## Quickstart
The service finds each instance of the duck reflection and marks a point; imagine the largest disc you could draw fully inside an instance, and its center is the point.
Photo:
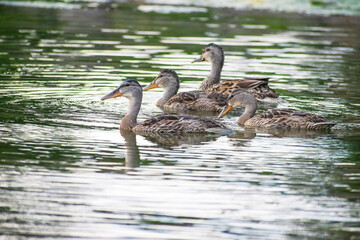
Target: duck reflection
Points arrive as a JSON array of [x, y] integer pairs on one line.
[[167, 141], [173, 140], [295, 133], [132, 159], [249, 133]]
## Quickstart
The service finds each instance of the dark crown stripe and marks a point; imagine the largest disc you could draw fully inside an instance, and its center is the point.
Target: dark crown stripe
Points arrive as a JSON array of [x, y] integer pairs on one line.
[[129, 82], [214, 45]]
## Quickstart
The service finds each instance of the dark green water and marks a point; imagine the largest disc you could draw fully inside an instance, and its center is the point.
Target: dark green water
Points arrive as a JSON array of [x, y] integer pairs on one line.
[[66, 171]]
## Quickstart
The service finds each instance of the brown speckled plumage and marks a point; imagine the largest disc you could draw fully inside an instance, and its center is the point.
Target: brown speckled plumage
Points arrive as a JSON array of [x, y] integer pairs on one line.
[[257, 86], [288, 118], [214, 54], [185, 101], [176, 123], [196, 101], [275, 118], [161, 123]]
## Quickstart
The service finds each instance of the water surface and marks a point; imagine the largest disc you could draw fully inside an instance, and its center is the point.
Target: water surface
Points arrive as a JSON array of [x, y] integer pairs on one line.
[[66, 171]]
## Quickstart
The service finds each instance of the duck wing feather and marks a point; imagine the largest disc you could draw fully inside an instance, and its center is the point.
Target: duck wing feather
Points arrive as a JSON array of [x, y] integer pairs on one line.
[[258, 86], [196, 100], [176, 123], [289, 118]]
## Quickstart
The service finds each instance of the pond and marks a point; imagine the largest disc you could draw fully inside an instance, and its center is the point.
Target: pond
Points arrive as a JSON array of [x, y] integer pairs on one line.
[[66, 171]]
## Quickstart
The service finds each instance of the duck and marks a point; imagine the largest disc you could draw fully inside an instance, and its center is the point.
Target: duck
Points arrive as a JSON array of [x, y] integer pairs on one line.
[[287, 118], [214, 54], [184, 101], [161, 123]]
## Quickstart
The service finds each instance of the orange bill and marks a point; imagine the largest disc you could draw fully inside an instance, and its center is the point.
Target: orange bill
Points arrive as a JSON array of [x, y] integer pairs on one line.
[[114, 94], [150, 86], [226, 109]]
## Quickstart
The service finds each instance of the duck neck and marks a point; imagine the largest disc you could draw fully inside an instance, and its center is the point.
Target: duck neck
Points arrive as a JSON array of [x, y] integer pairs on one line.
[[168, 93], [248, 113], [215, 74], [130, 119]]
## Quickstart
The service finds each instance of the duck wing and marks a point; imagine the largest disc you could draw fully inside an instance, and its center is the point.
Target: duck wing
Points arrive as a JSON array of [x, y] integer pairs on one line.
[[176, 123], [258, 86], [196, 101], [289, 118]]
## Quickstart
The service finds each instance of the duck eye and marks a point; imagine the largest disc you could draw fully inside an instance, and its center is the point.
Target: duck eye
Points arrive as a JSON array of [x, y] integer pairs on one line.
[[208, 49]]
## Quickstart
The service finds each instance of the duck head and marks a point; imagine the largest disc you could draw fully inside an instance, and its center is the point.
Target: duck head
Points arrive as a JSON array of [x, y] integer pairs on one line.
[[211, 53], [128, 89], [239, 98], [167, 79]]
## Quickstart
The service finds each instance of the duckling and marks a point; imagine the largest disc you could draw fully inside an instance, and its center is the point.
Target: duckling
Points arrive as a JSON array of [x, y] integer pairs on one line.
[[161, 123], [214, 54], [184, 101], [275, 118]]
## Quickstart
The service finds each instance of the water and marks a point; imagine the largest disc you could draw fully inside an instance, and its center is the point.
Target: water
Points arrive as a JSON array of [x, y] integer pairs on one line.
[[66, 171]]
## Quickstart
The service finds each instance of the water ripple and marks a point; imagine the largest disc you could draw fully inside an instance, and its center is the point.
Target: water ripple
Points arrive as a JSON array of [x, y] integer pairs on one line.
[[67, 171]]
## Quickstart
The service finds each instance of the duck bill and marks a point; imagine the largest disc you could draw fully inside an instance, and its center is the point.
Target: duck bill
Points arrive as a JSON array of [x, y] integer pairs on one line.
[[200, 59], [150, 86], [114, 94], [226, 109]]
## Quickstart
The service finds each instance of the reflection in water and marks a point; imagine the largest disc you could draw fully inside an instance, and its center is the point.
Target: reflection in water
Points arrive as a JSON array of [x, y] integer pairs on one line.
[[249, 133], [171, 140], [299, 133], [132, 159]]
